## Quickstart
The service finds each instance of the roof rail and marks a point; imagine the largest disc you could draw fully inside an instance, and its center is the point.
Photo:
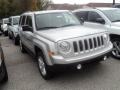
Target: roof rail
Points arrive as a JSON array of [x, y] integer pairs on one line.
[[89, 7]]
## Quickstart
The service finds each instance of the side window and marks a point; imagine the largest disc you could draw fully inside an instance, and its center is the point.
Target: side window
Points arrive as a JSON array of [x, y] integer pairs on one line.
[[23, 20], [10, 21], [29, 21], [117, 6], [82, 14], [92, 16], [20, 20]]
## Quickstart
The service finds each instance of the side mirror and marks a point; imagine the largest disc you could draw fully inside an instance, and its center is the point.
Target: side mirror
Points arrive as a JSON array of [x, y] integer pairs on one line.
[[82, 20], [27, 28], [8, 23], [100, 20]]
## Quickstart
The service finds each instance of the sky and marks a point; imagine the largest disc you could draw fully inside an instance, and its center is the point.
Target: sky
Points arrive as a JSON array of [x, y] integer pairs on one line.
[[83, 1]]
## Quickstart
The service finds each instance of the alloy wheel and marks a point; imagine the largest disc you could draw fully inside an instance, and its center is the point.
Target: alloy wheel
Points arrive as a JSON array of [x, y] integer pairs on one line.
[[42, 66], [116, 49]]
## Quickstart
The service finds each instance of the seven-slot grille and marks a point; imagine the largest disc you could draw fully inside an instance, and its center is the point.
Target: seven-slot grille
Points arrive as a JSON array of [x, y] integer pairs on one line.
[[88, 44]]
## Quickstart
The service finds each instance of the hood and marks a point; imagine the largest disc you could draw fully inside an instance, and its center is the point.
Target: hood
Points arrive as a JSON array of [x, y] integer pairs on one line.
[[117, 24], [68, 32], [16, 28]]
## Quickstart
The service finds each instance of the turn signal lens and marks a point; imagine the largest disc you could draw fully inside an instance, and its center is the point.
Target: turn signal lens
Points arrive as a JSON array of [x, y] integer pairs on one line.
[[51, 53]]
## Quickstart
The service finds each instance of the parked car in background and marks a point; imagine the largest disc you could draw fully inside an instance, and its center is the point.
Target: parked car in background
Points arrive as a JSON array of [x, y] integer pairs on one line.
[[0, 27], [57, 38], [4, 26], [116, 6], [3, 70], [107, 18], [13, 29]]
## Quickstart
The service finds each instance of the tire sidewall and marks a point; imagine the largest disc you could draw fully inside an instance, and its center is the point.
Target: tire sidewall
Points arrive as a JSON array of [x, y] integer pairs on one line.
[[48, 73], [21, 47], [113, 40]]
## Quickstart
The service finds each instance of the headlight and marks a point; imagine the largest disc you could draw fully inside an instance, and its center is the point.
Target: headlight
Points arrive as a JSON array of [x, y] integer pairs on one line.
[[106, 37], [64, 46]]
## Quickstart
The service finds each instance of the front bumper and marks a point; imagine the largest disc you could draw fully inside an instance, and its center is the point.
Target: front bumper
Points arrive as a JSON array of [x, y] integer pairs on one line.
[[5, 29], [61, 60], [16, 34]]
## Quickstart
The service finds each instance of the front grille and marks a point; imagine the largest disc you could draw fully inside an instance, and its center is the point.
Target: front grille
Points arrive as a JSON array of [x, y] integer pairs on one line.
[[88, 44]]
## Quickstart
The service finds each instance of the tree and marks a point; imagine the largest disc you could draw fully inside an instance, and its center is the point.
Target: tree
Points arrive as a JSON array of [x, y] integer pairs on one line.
[[40, 4], [17, 7], [4, 8]]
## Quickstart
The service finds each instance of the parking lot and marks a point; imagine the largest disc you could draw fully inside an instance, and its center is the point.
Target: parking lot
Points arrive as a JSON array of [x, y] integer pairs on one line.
[[24, 75]]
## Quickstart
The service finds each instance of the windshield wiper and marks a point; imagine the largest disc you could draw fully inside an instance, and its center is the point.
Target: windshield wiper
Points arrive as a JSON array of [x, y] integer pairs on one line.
[[69, 25], [116, 21], [47, 28]]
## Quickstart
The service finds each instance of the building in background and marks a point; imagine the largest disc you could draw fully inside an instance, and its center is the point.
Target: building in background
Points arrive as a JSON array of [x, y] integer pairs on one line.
[[99, 4], [64, 6], [77, 6]]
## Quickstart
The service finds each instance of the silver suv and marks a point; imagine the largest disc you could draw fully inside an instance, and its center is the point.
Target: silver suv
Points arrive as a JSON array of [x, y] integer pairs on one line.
[[13, 29], [106, 18], [4, 26], [57, 38]]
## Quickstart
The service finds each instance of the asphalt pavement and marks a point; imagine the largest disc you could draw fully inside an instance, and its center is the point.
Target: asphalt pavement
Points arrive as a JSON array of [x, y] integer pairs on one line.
[[24, 74]]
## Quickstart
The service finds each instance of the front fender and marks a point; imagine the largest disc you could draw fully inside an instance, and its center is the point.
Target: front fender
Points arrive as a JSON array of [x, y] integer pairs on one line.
[[44, 47]]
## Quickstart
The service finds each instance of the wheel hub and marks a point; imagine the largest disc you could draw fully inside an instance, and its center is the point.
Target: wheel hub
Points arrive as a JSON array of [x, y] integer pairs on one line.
[[116, 48], [42, 66]]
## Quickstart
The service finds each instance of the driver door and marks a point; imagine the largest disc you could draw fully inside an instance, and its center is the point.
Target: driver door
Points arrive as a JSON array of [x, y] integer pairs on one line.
[[28, 34]]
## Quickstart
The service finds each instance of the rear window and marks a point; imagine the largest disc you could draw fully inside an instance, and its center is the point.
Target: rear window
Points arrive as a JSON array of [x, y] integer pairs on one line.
[[5, 21], [82, 14], [16, 21]]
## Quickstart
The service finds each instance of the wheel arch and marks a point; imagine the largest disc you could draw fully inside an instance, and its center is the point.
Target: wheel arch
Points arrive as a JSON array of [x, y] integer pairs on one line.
[[112, 36], [42, 50]]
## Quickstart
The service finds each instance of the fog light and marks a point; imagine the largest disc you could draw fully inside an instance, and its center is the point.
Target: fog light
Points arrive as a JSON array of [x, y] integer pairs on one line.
[[79, 66], [105, 58]]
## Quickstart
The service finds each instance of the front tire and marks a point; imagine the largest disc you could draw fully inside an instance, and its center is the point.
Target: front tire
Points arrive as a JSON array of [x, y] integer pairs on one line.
[[9, 36], [16, 41], [44, 69], [116, 48], [6, 33]]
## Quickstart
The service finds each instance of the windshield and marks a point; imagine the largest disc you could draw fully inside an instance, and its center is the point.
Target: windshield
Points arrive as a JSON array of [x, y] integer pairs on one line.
[[5, 21], [55, 20], [16, 20], [113, 14]]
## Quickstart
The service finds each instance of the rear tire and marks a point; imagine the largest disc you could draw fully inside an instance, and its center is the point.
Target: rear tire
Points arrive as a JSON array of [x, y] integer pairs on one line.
[[44, 69], [22, 48], [16, 41], [9, 36]]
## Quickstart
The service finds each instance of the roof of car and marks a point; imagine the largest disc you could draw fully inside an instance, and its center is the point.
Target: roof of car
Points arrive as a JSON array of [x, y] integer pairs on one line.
[[98, 8], [15, 16], [106, 8], [46, 11], [5, 19]]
